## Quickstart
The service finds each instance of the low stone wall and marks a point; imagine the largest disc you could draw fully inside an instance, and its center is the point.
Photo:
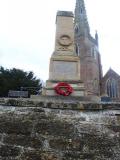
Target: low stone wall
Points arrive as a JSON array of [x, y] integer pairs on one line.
[[62, 130], [59, 103], [36, 133]]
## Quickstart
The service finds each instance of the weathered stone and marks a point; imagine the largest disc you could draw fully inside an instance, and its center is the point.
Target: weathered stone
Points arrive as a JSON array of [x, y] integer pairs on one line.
[[55, 127], [15, 127], [49, 156], [9, 150], [29, 133], [78, 156], [115, 128], [67, 144], [38, 155], [24, 141], [31, 155]]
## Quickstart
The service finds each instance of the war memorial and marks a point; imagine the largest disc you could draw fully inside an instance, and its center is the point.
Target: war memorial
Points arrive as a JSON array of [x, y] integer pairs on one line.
[[68, 121]]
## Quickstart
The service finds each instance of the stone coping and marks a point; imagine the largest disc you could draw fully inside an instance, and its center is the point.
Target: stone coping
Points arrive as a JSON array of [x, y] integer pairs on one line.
[[65, 13], [59, 104], [67, 81]]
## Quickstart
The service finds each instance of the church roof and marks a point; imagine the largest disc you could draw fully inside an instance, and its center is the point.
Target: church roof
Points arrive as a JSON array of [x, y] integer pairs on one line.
[[111, 73]]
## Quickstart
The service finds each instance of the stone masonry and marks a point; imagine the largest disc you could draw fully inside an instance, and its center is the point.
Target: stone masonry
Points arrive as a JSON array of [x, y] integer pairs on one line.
[[38, 133], [64, 62], [88, 50]]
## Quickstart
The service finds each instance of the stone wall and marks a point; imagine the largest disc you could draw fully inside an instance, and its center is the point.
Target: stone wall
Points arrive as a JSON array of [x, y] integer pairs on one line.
[[37, 133], [89, 63]]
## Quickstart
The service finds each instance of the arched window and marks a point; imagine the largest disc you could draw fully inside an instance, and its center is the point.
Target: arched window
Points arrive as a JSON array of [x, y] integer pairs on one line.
[[112, 88], [77, 49], [95, 83], [76, 28], [94, 52], [81, 10]]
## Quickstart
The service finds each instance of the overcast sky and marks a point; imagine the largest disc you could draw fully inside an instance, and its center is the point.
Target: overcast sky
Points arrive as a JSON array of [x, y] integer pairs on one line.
[[27, 32]]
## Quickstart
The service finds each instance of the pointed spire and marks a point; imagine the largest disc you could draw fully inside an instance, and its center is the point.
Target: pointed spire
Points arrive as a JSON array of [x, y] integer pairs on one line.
[[81, 22], [96, 38]]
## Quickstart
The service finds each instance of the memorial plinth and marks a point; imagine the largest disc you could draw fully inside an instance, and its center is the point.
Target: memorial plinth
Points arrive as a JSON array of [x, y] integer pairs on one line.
[[64, 62]]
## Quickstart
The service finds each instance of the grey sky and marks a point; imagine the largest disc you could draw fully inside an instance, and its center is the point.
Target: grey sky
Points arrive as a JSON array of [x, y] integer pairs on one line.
[[27, 31]]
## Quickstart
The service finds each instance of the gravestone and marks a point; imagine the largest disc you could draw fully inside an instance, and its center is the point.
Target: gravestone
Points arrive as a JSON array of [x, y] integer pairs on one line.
[[64, 62]]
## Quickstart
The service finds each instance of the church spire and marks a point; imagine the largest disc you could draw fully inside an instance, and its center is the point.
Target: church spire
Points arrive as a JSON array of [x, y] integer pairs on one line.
[[81, 22], [96, 38]]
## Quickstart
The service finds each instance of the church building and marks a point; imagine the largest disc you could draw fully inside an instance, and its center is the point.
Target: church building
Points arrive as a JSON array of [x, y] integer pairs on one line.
[[75, 65], [87, 48]]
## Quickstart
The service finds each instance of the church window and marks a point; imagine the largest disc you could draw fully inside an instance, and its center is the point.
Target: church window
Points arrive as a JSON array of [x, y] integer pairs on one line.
[[93, 53], [95, 85], [112, 88], [76, 29], [95, 82], [81, 10], [77, 49]]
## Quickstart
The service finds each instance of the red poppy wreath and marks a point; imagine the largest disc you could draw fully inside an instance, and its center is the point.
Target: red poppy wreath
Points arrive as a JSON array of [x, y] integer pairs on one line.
[[63, 88]]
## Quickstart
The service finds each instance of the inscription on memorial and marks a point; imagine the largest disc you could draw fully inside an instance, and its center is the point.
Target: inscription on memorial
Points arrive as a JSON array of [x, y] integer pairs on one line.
[[65, 69]]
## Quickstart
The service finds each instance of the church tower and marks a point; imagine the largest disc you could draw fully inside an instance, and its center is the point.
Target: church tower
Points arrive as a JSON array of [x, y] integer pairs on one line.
[[87, 49]]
